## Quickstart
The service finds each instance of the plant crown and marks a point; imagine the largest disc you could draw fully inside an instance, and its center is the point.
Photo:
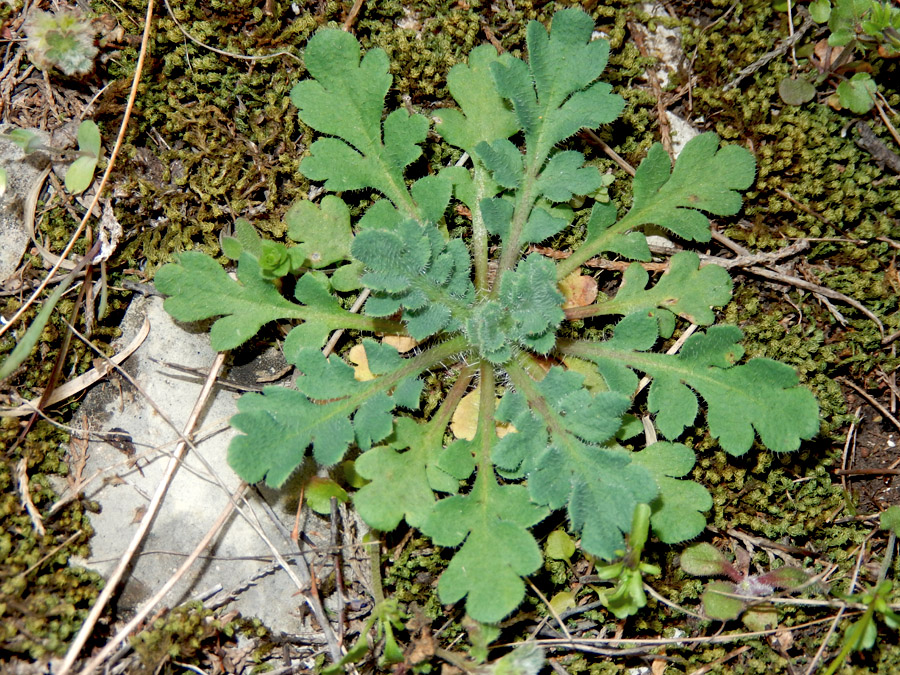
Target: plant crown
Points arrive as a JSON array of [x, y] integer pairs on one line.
[[492, 318]]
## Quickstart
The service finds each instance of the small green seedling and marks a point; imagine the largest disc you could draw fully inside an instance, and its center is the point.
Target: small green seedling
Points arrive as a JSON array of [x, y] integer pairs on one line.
[[629, 597], [485, 310], [861, 634], [80, 173], [705, 560], [859, 28], [386, 617], [78, 178]]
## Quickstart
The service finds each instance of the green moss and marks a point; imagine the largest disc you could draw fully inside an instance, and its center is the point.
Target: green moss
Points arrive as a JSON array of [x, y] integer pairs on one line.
[[187, 633], [43, 599]]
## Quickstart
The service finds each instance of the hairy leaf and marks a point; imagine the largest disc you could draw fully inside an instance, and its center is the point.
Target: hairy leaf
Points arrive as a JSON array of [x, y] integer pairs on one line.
[[705, 178], [324, 231], [677, 512], [497, 550], [198, 288], [761, 396]]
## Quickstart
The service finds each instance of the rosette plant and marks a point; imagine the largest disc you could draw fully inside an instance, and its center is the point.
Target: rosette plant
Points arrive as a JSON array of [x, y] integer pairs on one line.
[[553, 414]]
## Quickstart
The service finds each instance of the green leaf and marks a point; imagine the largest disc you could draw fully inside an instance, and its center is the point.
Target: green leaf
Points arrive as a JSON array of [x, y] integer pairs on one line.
[[761, 395], [497, 549], [890, 519], [400, 487], [324, 231], [345, 100], [858, 93], [705, 178], [565, 176], [80, 174], [278, 426], [198, 288], [555, 95], [245, 238], [319, 491], [564, 461], [796, 91], [503, 160], [559, 546], [685, 289], [26, 139], [704, 560], [677, 512], [484, 116], [820, 10], [632, 245], [719, 606]]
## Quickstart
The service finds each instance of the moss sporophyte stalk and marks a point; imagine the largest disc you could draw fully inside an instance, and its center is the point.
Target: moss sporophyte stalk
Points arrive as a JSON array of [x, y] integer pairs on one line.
[[483, 310]]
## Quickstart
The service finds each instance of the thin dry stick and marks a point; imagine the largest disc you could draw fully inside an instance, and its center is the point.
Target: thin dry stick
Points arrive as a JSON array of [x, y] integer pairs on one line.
[[148, 606], [816, 288], [887, 413], [132, 96], [152, 509], [33, 513], [818, 657], [845, 455], [351, 17], [551, 608]]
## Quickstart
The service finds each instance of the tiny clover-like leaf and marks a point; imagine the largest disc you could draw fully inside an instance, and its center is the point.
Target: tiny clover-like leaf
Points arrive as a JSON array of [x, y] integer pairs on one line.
[[497, 550], [324, 231], [198, 288], [705, 178], [677, 512]]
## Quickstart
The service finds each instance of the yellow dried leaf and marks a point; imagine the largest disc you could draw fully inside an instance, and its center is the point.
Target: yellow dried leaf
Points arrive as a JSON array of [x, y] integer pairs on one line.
[[464, 422], [401, 343], [357, 356], [578, 290]]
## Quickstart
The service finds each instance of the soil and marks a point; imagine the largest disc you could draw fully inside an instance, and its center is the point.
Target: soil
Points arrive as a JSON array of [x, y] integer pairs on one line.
[[214, 137]]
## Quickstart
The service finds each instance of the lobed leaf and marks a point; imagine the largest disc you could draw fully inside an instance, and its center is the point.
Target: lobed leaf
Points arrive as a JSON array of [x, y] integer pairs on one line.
[[677, 512], [705, 178], [497, 549], [403, 477], [760, 397], [199, 288], [685, 289], [560, 428], [323, 231]]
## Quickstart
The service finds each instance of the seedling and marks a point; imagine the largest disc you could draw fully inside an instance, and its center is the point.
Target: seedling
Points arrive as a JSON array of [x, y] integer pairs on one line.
[[859, 28], [705, 560], [78, 178], [629, 597], [495, 319], [861, 634]]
